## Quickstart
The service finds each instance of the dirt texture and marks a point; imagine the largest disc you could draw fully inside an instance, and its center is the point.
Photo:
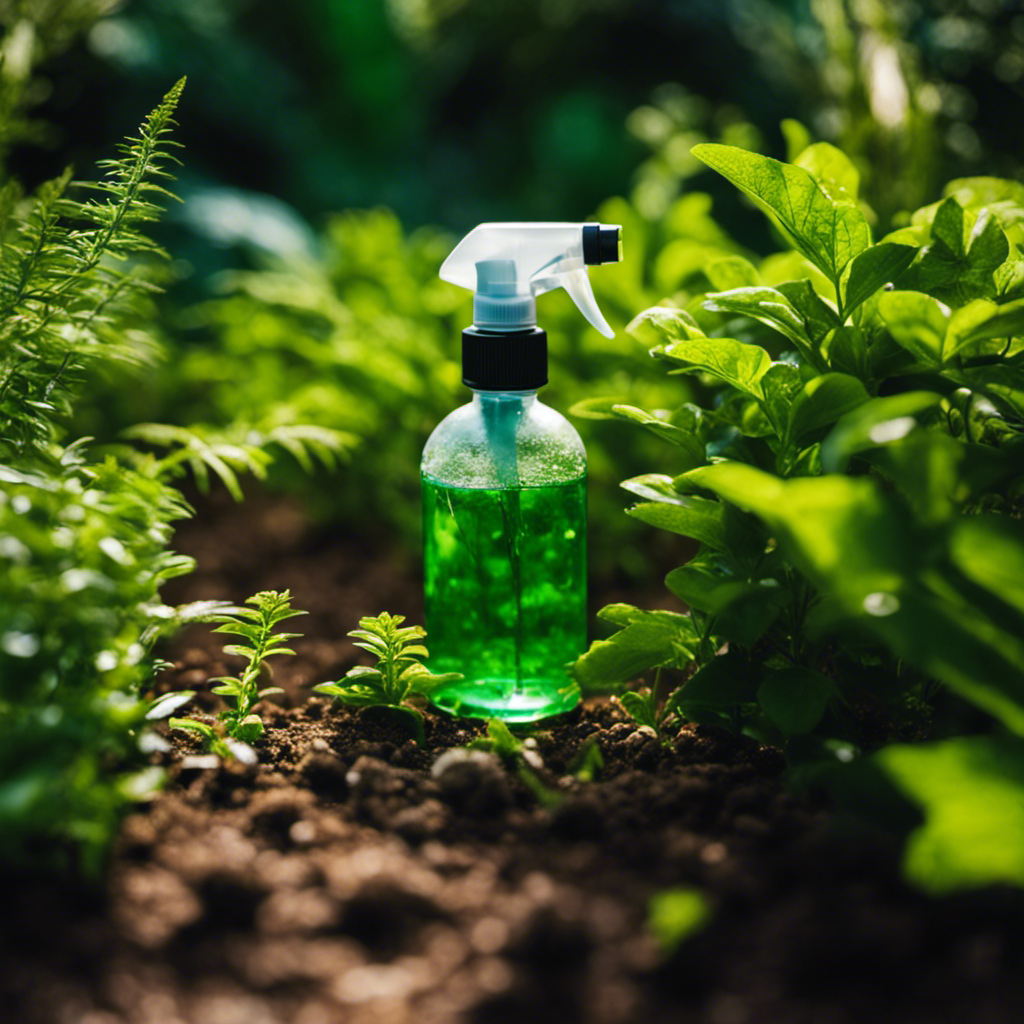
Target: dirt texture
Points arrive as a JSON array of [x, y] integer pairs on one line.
[[354, 876]]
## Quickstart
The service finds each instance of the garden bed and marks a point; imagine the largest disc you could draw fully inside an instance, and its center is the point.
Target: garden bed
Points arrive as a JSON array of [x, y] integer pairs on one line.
[[350, 876]]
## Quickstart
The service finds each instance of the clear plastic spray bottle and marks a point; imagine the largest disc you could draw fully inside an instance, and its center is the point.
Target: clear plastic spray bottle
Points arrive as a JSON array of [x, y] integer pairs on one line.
[[504, 483]]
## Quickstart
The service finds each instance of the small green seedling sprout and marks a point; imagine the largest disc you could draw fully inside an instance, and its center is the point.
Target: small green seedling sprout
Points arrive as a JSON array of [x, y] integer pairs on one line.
[[518, 755], [239, 724], [642, 706], [398, 674]]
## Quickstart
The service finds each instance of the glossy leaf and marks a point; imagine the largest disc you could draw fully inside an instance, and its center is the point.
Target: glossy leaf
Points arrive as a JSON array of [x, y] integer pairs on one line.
[[917, 321], [698, 518], [822, 401], [827, 232], [874, 268], [730, 361]]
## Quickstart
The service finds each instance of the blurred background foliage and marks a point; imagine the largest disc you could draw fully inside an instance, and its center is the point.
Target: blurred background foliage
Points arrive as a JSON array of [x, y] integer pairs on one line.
[[324, 137]]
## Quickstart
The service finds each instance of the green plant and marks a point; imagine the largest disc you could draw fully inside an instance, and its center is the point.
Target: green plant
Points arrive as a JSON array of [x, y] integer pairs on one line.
[[851, 472], [255, 628], [398, 675], [520, 756]]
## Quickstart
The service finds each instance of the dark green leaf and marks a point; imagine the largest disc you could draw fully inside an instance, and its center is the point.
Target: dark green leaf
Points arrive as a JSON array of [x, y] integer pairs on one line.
[[795, 698], [692, 517], [822, 401], [874, 268]]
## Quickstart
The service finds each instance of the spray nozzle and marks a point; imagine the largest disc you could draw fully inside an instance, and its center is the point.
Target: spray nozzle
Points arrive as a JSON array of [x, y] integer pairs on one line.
[[507, 265]]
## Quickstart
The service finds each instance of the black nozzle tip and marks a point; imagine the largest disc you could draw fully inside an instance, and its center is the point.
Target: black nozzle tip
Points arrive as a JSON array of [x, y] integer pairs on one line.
[[601, 244]]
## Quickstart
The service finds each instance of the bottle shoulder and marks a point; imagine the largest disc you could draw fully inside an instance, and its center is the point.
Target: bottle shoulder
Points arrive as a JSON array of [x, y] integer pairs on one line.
[[481, 444]]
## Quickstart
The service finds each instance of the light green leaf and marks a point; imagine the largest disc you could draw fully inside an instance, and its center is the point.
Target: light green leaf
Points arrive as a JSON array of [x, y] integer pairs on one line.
[[663, 324], [874, 268], [732, 272], [833, 170], [673, 915], [654, 487], [970, 791], [877, 421], [980, 320], [684, 439], [917, 321], [768, 305], [730, 361], [795, 698], [827, 232], [822, 401], [692, 517], [989, 549], [781, 384], [649, 640]]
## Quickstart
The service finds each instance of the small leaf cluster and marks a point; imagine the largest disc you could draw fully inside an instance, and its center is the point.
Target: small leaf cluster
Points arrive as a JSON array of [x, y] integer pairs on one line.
[[852, 471], [398, 675], [255, 629]]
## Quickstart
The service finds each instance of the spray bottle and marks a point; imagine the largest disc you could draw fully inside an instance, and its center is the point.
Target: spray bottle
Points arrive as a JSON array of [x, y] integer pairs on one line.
[[504, 483]]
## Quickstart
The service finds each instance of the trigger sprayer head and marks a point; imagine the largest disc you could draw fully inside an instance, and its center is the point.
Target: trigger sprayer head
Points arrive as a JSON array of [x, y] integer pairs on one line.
[[507, 266]]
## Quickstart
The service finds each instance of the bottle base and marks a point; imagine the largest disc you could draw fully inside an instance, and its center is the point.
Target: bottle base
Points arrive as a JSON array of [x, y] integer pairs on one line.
[[498, 698]]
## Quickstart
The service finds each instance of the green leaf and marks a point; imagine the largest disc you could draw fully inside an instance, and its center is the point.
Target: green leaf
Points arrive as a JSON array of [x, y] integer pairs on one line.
[[695, 585], [839, 531], [724, 682], [743, 611], [826, 232], [833, 170], [674, 915], [662, 323], [699, 518], [650, 639], [654, 487], [970, 791], [818, 316], [795, 698], [918, 322], [691, 446], [731, 272], [768, 305], [876, 422], [874, 268], [822, 401], [730, 361], [781, 384], [980, 320], [989, 549], [638, 707]]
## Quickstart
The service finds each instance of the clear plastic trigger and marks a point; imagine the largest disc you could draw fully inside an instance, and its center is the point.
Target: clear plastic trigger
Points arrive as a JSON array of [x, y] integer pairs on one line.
[[577, 284]]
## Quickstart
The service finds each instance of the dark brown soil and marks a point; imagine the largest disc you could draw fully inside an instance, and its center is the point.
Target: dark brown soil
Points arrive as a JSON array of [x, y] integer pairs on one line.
[[353, 876]]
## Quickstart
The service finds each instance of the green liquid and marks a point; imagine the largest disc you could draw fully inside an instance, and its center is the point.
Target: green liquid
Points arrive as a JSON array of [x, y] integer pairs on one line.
[[506, 596]]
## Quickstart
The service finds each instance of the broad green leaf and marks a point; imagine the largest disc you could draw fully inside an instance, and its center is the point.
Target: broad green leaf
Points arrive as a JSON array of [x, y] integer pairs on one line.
[[691, 446], [698, 518], [781, 384], [663, 324], [822, 401], [725, 681], [828, 233], [970, 791], [839, 531], [731, 272], [649, 640], [847, 352], [673, 915], [956, 270], [918, 322], [874, 268], [818, 316], [833, 170], [768, 305], [1002, 383], [743, 611], [795, 698], [980, 320], [654, 487], [730, 361], [984, 191], [695, 585], [989, 549], [876, 422]]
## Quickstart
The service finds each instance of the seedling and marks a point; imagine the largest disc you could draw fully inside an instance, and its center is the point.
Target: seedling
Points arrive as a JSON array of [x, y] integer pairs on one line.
[[519, 756], [255, 627], [398, 674]]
